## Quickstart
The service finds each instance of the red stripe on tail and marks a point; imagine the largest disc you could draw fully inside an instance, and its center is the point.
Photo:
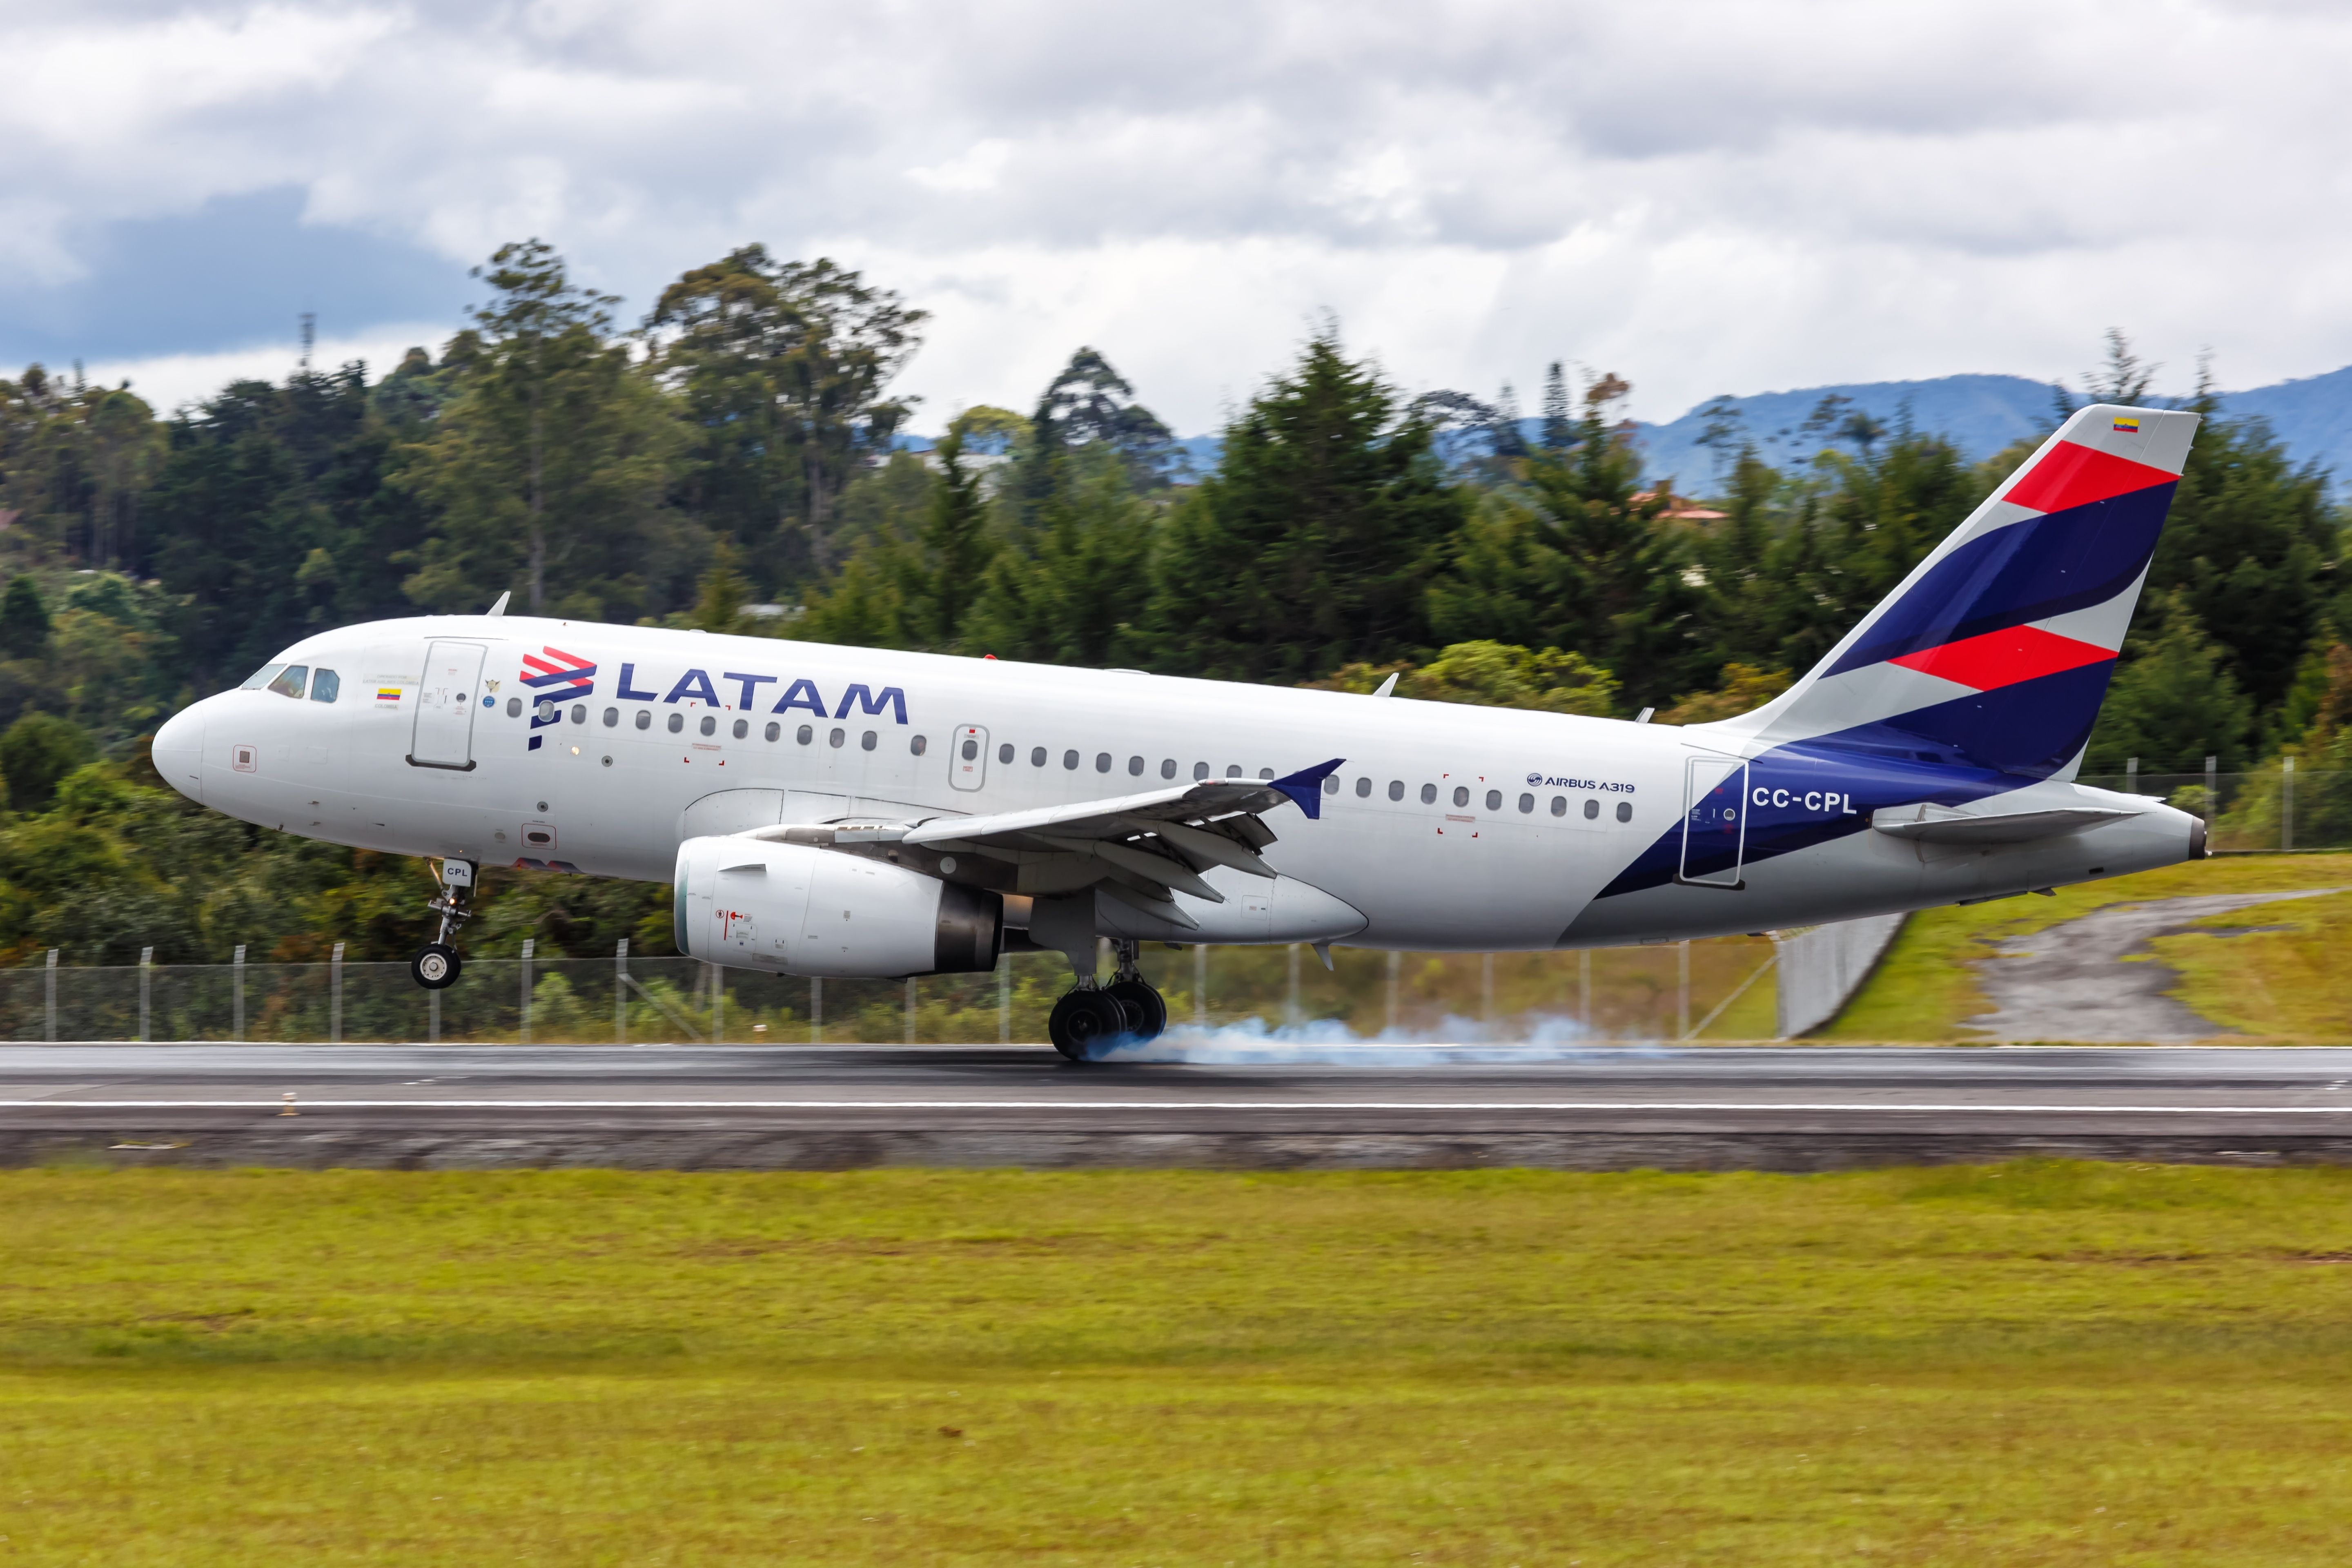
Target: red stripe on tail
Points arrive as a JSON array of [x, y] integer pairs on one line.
[[2003, 658], [2073, 475]]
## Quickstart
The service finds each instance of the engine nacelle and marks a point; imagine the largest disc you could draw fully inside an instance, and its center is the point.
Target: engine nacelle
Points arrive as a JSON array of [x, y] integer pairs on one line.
[[798, 910]]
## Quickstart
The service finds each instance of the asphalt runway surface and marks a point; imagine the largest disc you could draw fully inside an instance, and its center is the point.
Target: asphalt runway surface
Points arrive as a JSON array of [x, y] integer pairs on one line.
[[1327, 1091]]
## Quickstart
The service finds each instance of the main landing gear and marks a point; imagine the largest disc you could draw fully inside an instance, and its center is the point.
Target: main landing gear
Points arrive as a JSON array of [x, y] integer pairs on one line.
[[1092, 1018], [436, 965]]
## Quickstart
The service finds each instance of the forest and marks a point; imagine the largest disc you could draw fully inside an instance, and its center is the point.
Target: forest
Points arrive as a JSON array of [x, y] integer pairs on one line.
[[738, 459]]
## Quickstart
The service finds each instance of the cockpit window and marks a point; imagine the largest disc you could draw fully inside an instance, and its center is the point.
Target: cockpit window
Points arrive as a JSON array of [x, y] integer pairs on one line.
[[289, 680], [261, 678], [326, 686]]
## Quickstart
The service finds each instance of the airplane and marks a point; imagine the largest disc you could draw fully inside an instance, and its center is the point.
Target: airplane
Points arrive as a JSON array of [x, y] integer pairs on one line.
[[832, 811]]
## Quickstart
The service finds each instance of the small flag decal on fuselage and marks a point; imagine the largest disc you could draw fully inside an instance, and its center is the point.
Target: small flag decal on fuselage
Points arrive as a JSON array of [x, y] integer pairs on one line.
[[2126, 427], [387, 694]]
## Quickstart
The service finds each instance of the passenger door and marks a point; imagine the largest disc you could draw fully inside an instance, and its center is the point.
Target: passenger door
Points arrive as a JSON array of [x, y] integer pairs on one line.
[[967, 761], [446, 699]]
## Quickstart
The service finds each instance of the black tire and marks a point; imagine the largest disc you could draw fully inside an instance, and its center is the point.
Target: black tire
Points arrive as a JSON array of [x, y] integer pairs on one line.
[[435, 966], [1146, 1010], [1086, 1022]]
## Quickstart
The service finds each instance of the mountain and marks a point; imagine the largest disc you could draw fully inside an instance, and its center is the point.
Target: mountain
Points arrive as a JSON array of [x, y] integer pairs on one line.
[[1979, 413]]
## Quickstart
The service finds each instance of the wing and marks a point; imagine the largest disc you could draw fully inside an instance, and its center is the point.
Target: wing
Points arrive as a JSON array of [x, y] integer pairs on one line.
[[1139, 847]]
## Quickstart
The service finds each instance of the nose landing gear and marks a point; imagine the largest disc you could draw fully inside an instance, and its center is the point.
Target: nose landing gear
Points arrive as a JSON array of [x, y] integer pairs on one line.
[[1093, 1018], [436, 965]]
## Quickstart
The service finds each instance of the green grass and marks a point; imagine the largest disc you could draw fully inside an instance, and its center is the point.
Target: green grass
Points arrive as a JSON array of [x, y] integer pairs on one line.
[[1925, 989], [2041, 1363]]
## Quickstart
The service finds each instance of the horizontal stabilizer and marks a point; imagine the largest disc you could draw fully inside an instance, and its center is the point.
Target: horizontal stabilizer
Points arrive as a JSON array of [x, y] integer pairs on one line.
[[1932, 824]]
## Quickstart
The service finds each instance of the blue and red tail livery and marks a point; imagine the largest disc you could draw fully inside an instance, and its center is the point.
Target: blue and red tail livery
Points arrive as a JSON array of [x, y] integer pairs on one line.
[[1983, 671]]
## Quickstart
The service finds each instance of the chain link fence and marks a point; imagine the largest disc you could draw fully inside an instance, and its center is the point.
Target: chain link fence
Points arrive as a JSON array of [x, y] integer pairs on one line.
[[2274, 809], [1666, 992]]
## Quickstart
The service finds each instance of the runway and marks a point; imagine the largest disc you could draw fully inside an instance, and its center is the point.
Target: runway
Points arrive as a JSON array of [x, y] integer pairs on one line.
[[1356, 1106]]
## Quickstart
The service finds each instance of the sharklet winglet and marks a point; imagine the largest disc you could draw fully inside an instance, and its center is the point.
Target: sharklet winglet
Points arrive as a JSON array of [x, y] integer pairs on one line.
[[1306, 786]]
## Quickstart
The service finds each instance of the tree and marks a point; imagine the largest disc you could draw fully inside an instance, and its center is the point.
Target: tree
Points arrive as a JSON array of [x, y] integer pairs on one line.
[[2174, 704], [946, 573], [1312, 544], [36, 753], [548, 464], [24, 619], [1558, 413], [1492, 675], [1069, 587], [783, 368], [272, 516]]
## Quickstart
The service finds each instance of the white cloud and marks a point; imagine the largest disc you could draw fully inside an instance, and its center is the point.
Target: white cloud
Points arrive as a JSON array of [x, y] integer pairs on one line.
[[1705, 196]]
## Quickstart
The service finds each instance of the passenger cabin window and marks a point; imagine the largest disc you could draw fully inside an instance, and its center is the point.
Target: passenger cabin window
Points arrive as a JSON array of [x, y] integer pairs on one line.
[[261, 678], [677, 722], [1591, 809], [580, 715], [514, 709], [1037, 756], [1363, 787], [1330, 783], [1265, 773], [1069, 758], [867, 740], [1396, 789], [1559, 805], [644, 718], [611, 718], [1200, 770], [1135, 767], [709, 724], [970, 749], [289, 680], [835, 739], [1167, 767], [1493, 800], [742, 728], [1624, 811], [1233, 771], [1004, 753], [1527, 804], [326, 686], [775, 732], [1461, 795], [1102, 761], [917, 746], [805, 735]]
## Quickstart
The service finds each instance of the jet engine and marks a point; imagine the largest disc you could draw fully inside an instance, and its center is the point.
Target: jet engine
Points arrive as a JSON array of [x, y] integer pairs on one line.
[[798, 910]]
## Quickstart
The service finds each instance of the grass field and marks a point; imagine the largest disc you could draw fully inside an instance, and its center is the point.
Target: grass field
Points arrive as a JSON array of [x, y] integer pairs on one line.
[[2288, 985], [2034, 1364]]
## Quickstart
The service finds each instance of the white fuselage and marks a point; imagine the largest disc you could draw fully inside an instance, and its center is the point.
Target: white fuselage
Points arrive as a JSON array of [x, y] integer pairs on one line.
[[1453, 827]]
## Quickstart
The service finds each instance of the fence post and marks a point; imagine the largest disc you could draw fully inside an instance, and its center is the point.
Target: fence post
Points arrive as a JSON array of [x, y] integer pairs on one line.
[[236, 994], [1584, 988], [1003, 999], [2286, 804], [335, 995], [1396, 972], [621, 992], [146, 990], [52, 984], [1201, 983], [433, 1017], [1682, 989], [911, 1009], [817, 1010], [1487, 993], [529, 944], [2212, 798], [1291, 1014], [718, 1005], [2131, 775]]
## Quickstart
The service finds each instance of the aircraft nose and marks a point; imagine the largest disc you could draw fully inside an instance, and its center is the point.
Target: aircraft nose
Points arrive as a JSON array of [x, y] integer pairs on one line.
[[179, 751]]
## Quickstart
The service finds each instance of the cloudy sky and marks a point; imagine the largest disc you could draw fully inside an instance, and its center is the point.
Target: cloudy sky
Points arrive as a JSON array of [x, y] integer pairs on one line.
[[1703, 197]]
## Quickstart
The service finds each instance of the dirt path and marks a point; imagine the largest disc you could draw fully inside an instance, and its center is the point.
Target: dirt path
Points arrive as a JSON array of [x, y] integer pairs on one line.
[[2072, 982]]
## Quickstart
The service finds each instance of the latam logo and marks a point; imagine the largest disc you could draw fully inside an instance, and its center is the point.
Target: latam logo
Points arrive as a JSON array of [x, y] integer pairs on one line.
[[554, 673], [696, 686]]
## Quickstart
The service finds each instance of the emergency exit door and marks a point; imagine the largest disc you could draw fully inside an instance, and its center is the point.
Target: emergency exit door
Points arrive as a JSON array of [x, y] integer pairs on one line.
[[1715, 821], [447, 695], [968, 763]]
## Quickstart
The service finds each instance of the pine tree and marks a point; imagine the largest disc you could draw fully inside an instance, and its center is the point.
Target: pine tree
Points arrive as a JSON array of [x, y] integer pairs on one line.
[[1312, 544]]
